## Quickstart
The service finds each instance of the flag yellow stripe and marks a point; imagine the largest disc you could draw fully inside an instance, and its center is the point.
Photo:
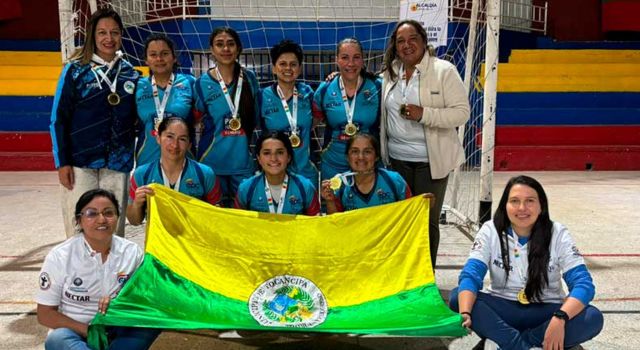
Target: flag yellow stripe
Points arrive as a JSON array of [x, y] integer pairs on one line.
[[208, 246]]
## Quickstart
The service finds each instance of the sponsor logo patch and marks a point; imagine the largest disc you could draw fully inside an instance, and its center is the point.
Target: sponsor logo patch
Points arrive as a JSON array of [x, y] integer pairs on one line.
[[45, 281], [129, 87]]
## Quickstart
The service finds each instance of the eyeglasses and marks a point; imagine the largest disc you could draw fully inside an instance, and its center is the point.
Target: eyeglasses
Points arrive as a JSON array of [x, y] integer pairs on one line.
[[92, 214]]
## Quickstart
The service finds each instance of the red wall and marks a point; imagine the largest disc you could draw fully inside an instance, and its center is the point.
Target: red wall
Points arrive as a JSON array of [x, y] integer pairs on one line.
[[35, 20], [575, 20]]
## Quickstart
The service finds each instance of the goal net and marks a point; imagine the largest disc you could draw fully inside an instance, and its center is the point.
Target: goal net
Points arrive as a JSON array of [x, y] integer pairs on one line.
[[317, 25]]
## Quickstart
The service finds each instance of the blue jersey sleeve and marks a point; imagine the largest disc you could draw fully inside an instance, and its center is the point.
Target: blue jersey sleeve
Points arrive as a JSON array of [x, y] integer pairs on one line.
[[580, 284], [61, 114], [472, 275]]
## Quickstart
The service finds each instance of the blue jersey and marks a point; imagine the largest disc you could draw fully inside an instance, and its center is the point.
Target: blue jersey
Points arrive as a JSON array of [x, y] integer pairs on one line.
[[274, 118], [301, 196], [223, 149], [197, 180], [179, 105], [329, 107], [87, 131], [389, 187]]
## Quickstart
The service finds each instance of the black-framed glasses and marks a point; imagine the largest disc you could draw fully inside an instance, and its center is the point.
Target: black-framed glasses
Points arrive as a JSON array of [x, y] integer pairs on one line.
[[92, 214]]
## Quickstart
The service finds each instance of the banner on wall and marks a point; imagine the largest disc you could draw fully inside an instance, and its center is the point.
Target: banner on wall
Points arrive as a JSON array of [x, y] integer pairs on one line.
[[433, 14]]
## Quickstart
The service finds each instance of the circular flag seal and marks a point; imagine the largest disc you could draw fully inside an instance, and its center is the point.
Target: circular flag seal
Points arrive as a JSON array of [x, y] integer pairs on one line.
[[288, 301]]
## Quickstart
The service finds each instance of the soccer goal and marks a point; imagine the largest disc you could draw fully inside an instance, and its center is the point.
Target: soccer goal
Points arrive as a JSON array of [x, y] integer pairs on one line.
[[318, 25]]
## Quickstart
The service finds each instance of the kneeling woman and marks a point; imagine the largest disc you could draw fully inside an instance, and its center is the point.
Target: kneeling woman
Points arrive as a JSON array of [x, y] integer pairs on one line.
[[527, 256], [173, 170], [80, 276], [277, 190], [365, 185]]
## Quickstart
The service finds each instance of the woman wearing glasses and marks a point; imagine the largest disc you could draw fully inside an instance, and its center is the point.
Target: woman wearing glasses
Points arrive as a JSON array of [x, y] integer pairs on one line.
[[365, 185], [80, 276], [173, 169]]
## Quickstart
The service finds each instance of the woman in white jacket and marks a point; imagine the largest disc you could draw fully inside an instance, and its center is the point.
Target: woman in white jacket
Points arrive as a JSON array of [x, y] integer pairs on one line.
[[423, 102]]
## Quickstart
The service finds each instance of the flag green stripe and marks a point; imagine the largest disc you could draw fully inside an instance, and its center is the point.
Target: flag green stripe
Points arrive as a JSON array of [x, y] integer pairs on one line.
[[156, 297]]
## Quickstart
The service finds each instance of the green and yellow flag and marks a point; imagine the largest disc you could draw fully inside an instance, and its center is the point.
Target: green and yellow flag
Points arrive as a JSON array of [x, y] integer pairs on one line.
[[360, 272]]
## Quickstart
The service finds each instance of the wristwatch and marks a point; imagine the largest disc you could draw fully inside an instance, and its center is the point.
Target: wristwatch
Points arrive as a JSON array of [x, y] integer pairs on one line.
[[561, 315]]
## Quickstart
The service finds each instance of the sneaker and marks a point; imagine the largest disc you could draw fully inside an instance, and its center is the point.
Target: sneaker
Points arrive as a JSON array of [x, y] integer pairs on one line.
[[490, 345]]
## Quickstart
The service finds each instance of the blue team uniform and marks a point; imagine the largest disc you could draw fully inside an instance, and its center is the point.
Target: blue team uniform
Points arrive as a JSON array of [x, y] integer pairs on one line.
[[198, 180], [224, 150], [389, 187], [179, 105], [301, 197], [328, 106], [274, 118], [88, 132]]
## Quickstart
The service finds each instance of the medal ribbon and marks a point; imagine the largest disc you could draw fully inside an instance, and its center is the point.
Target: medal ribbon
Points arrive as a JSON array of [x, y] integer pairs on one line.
[[97, 65], [349, 109], [161, 106], [291, 117], [283, 194], [165, 178], [225, 90], [519, 264]]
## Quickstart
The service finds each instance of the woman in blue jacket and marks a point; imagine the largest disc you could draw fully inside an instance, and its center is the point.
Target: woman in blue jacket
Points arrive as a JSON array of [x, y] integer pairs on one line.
[[93, 117], [226, 105]]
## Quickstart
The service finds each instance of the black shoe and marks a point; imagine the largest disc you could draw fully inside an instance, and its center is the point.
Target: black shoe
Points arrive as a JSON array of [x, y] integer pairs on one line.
[[480, 345]]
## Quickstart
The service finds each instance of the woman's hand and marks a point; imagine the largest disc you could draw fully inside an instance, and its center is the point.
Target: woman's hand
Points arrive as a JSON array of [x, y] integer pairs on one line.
[[413, 112], [326, 192], [141, 195], [466, 320], [103, 304], [431, 197], [554, 335], [65, 176]]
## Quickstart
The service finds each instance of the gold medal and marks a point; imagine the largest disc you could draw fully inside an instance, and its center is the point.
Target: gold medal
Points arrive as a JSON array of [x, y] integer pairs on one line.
[[235, 124], [295, 140], [350, 129], [113, 99], [335, 183], [522, 298], [403, 110]]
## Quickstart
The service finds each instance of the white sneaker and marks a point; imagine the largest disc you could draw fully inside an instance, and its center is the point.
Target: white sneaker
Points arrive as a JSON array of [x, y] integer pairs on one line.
[[490, 345]]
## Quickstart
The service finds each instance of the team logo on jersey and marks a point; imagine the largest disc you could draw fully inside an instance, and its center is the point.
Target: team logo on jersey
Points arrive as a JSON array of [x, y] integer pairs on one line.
[[190, 183], [367, 93], [45, 281], [129, 87], [477, 245], [576, 252], [122, 278], [294, 200], [288, 301], [77, 281], [382, 194]]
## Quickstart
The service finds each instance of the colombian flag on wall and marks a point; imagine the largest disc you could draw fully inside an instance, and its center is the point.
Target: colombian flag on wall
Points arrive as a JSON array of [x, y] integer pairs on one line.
[[363, 272]]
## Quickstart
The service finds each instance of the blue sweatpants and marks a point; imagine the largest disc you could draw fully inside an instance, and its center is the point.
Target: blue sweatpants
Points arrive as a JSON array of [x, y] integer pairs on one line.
[[515, 326]]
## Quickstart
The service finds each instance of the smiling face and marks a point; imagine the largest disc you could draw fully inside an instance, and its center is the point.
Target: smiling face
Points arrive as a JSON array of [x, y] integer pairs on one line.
[[174, 142], [160, 58], [362, 155], [102, 226], [350, 61], [108, 38], [287, 68], [410, 45], [273, 157], [523, 208], [224, 49]]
